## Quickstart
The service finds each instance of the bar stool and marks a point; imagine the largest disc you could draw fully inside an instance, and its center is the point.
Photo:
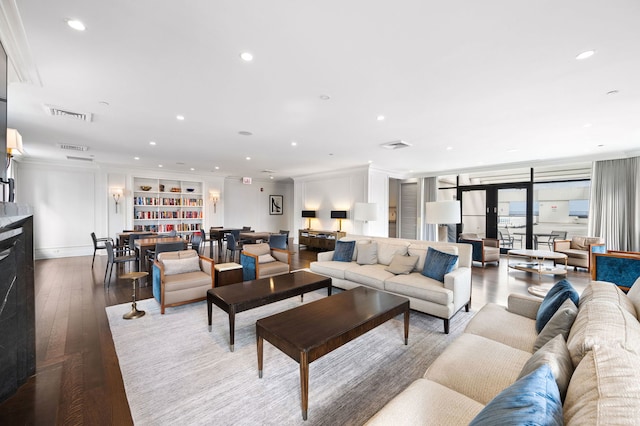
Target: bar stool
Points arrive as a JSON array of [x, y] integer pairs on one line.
[[133, 276]]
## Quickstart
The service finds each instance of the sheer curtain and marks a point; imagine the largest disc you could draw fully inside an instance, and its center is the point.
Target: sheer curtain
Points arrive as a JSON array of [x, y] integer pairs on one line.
[[614, 213], [429, 193]]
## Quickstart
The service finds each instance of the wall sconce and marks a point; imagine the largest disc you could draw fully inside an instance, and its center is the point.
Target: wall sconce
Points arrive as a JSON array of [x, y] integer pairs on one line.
[[14, 144], [116, 193], [215, 197], [365, 211]]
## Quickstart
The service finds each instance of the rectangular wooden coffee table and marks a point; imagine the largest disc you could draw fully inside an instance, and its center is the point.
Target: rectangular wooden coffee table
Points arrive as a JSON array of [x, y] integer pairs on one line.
[[247, 295], [310, 331]]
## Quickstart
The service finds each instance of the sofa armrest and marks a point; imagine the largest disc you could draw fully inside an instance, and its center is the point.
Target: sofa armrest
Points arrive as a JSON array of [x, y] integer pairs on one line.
[[250, 266], [459, 282], [206, 264], [282, 255], [325, 256], [526, 306], [559, 245], [158, 280]]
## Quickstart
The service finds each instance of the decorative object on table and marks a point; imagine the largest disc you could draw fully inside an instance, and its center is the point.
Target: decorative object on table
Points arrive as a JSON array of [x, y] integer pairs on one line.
[[308, 214], [276, 204], [145, 187], [190, 189], [174, 189], [161, 188], [134, 312], [339, 214]]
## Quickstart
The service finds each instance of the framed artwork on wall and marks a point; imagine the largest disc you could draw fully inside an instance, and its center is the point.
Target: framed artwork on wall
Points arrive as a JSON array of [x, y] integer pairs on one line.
[[275, 204]]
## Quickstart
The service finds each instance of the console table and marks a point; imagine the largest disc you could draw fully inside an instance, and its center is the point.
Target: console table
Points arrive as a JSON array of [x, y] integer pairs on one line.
[[321, 240]]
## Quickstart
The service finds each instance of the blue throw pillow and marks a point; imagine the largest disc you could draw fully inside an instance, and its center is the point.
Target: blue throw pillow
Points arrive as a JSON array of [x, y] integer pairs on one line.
[[437, 264], [532, 400], [344, 251], [560, 292]]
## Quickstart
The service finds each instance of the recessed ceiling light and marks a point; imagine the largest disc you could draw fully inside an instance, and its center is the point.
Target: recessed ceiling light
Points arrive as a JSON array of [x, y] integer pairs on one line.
[[270, 177], [152, 143], [380, 118], [294, 143], [136, 158], [247, 158], [217, 168], [159, 165], [245, 133], [449, 148], [192, 169], [246, 56], [76, 25], [370, 161], [586, 54], [180, 117], [325, 97]]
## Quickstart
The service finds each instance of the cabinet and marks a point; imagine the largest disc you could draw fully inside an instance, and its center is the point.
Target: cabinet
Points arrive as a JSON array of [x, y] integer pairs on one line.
[[321, 240], [164, 205]]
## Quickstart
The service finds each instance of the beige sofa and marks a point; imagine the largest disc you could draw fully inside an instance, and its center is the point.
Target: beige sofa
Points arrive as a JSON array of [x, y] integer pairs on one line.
[[262, 261], [579, 250], [181, 277], [597, 367], [440, 299]]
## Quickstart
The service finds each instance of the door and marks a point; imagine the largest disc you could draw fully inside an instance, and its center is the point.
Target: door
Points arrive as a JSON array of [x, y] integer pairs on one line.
[[409, 210]]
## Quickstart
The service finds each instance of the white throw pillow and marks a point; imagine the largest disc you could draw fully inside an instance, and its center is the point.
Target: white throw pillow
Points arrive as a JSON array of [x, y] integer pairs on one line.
[[181, 266], [266, 258], [367, 253]]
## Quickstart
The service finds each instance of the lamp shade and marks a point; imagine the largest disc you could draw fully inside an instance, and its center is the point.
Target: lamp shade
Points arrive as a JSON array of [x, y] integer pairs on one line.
[[308, 213], [338, 214], [443, 212], [14, 142], [365, 211]]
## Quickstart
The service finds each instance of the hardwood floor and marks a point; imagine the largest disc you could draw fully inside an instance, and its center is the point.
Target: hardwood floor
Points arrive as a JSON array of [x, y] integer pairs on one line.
[[78, 378]]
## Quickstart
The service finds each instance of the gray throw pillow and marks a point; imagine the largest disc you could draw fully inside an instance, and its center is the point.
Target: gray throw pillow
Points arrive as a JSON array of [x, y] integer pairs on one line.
[[402, 265], [367, 253], [560, 323], [556, 355]]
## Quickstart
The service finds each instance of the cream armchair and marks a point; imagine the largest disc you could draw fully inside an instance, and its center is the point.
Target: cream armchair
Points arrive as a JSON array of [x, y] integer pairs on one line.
[[579, 250], [484, 249], [261, 261], [181, 277]]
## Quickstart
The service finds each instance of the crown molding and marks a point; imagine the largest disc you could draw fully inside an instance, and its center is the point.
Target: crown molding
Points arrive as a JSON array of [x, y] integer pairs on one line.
[[15, 43]]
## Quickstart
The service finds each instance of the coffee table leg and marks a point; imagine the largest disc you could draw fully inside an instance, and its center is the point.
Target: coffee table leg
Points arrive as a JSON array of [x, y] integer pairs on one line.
[[329, 290], [260, 342], [232, 326], [406, 327], [304, 383]]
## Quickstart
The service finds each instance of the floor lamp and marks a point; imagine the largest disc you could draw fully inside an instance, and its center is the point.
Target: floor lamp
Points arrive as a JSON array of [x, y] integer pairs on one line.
[[443, 213], [365, 212]]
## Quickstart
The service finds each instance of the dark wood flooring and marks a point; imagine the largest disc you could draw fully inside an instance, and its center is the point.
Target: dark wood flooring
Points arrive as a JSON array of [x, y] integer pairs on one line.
[[78, 378]]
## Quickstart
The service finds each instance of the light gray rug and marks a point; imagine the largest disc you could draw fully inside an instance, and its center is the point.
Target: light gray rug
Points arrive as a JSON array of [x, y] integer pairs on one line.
[[177, 372]]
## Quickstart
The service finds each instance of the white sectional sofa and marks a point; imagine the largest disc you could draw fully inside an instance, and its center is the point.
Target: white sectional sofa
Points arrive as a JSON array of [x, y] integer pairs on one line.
[[440, 299], [594, 358]]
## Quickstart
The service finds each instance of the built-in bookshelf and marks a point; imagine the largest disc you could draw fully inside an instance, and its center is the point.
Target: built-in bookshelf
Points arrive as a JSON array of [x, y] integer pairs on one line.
[[165, 205]]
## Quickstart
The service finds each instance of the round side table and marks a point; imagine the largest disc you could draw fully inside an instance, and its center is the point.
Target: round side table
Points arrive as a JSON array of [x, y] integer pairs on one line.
[[133, 276]]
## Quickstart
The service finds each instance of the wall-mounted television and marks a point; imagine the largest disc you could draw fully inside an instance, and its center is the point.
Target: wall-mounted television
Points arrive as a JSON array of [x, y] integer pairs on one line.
[[338, 214]]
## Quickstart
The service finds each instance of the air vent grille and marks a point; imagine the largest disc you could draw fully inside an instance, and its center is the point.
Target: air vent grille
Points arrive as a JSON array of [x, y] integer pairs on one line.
[[395, 145], [61, 112], [70, 147], [71, 157]]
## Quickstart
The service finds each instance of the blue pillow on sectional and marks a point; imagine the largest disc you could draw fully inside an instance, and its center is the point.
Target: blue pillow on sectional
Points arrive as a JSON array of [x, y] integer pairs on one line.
[[532, 400], [560, 292], [344, 251], [437, 264]]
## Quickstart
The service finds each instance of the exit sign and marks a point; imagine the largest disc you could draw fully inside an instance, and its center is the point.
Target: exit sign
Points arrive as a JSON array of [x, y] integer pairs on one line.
[[246, 180]]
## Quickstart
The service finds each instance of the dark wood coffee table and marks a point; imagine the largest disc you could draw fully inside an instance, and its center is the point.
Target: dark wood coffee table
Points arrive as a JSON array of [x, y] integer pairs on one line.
[[247, 295], [310, 331]]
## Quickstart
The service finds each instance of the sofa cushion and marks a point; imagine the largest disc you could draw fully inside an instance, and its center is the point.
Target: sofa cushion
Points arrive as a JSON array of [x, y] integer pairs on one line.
[[420, 250], [520, 334], [420, 287], [582, 243], [402, 265], [602, 290], [181, 266], [186, 281], [437, 264], [367, 253], [344, 251], [604, 389], [331, 268], [266, 258], [387, 249], [560, 323], [556, 355], [273, 268], [369, 275], [560, 292], [477, 367], [427, 403], [575, 253], [600, 322], [634, 295], [257, 249], [532, 400]]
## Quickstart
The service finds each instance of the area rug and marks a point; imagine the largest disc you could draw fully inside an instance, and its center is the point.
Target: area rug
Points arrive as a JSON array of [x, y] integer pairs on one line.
[[176, 371]]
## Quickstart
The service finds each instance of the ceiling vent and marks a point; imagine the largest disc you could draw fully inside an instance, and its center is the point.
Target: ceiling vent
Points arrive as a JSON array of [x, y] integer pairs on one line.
[[268, 171], [71, 157], [395, 145], [70, 147], [60, 112]]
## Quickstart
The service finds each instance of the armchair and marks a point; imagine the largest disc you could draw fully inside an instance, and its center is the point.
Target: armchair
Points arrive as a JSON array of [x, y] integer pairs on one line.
[[181, 277], [261, 261], [579, 250], [484, 249]]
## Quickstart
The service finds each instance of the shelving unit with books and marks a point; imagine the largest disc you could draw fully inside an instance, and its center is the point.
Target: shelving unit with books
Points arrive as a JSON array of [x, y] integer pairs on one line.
[[165, 205]]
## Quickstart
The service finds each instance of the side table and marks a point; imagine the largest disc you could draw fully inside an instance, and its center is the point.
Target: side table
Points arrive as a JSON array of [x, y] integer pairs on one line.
[[227, 273], [133, 276]]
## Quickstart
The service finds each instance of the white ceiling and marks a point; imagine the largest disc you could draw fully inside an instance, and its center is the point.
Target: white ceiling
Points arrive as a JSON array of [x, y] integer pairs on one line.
[[496, 82]]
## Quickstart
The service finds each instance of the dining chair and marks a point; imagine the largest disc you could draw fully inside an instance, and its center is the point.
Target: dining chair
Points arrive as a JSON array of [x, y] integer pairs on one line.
[[116, 256], [98, 244], [505, 242], [233, 246], [560, 235], [162, 247], [197, 240], [278, 241]]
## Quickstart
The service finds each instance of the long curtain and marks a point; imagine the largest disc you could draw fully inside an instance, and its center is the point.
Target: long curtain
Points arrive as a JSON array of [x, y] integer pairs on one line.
[[614, 212], [430, 193]]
